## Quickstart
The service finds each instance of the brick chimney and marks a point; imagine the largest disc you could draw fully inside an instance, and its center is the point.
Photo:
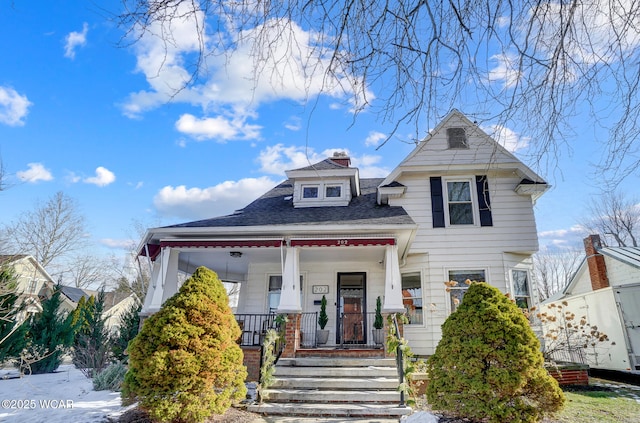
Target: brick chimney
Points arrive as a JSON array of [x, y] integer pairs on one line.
[[595, 261], [341, 158]]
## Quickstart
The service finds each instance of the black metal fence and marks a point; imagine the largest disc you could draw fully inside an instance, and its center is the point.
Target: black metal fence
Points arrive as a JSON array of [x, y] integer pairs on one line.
[[354, 330]]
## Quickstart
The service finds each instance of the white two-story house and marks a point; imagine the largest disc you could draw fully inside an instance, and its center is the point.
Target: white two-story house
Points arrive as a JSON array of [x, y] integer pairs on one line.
[[459, 207]]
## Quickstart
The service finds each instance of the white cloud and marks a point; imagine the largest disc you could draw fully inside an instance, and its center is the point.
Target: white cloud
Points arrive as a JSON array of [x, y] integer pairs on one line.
[[275, 160], [120, 244], [218, 200], [103, 177], [374, 138], [506, 137], [290, 64], [75, 40], [562, 238], [36, 172], [219, 128], [13, 107], [293, 124], [506, 71]]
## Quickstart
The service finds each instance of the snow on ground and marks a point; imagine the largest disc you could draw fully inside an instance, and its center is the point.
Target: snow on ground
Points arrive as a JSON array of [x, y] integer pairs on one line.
[[62, 397]]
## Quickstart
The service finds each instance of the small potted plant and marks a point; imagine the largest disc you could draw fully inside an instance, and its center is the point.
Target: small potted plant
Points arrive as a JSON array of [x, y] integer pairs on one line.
[[323, 319], [378, 324]]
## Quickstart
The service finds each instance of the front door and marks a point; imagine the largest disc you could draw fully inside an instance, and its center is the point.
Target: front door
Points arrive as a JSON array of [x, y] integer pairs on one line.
[[351, 322]]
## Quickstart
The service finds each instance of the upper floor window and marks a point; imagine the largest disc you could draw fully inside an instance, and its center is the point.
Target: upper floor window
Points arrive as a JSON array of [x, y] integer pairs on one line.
[[412, 297], [32, 286], [459, 281], [310, 191], [333, 191], [457, 138], [460, 203], [521, 288]]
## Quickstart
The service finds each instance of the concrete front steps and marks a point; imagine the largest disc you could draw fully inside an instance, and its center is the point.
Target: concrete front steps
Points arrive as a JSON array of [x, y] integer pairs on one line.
[[333, 387]]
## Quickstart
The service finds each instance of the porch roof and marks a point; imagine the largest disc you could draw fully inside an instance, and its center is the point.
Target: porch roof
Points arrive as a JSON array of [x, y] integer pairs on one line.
[[275, 208]]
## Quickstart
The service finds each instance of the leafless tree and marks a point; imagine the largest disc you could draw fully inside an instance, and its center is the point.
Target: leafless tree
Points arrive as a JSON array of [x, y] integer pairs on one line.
[[532, 63], [52, 231], [89, 271], [554, 269], [616, 218]]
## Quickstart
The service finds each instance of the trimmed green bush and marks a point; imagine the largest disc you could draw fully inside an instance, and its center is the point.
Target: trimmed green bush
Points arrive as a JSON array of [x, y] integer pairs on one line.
[[488, 364], [185, 364], [111, 378]]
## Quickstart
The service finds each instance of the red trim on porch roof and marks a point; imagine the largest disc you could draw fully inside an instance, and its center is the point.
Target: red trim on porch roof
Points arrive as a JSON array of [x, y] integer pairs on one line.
[[154, 249], [227, 243], [342, 242]]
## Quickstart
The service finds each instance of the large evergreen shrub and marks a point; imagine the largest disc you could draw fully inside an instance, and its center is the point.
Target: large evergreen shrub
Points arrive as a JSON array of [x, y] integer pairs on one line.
[[50, 334], [129, 326], [185, 363], [91, 346], [488, 364]]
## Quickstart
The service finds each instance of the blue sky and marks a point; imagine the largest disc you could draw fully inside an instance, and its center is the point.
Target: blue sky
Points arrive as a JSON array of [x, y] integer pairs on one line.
[[84, 114]]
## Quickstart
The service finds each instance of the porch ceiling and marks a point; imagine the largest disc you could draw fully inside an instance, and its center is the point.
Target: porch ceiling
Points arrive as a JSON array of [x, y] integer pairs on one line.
[[222, 262]]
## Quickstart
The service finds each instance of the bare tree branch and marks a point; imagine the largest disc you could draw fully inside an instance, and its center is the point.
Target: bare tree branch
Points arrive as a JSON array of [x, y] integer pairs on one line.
[[533, 63]]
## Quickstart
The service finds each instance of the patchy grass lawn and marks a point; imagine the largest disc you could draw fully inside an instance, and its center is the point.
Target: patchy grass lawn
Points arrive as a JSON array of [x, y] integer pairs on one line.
[[591, 404], [599, 406]]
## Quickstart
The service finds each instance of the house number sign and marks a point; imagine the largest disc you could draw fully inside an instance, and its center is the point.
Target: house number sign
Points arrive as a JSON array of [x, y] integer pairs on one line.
[[320, 289]]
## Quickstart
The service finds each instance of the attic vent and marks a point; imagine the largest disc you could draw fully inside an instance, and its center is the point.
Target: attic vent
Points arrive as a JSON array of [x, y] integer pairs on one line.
[[457, 138]]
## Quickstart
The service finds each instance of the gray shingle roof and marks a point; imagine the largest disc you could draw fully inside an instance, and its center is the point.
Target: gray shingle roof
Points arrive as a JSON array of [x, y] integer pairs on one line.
[[276, 208], [628, 255], [326, 164]]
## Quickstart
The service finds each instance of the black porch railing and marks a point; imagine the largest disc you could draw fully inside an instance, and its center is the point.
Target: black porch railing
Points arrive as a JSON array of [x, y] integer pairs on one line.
[[254, 327], [354, 330]]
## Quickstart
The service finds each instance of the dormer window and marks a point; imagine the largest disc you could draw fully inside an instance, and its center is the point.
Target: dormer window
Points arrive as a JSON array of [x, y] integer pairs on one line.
[[333, 191], [457, 138], [310, 191]]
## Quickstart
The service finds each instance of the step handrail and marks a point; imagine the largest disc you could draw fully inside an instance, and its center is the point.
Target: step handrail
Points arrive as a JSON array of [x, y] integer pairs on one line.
[[399, 361]]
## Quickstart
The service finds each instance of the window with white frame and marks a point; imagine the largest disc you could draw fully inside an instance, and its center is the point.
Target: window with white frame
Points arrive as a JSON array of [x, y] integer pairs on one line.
[[412, 297], [521, 294], [459, 202], [33, 284], [275, 290], [333, 191], [459, 281], [310, 191]]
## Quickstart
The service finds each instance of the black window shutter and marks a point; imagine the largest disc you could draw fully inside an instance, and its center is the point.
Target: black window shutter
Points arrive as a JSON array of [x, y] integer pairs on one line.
[[437, 202], [484, 202]]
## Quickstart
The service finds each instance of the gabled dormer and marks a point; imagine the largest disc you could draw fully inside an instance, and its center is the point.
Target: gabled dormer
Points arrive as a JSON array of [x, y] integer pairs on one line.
[[331, 182]]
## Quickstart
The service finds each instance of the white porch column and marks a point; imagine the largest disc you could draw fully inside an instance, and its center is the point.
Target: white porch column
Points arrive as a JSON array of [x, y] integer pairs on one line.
[[392, 282], [153, 299], [170, 276], [290, 292]]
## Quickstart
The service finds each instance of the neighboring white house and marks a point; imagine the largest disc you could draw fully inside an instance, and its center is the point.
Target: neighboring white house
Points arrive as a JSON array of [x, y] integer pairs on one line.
[[34, 283], [606, 290], [116, 304], [459, 207]]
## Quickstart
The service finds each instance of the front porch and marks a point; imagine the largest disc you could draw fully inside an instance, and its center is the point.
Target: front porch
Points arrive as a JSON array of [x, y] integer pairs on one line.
[[300, 339]]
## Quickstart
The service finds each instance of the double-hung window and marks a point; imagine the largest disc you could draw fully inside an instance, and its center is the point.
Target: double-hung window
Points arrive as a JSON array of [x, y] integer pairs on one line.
[[459, 283], [521, 288], [275, 290], [459, 202], [412, 297]]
